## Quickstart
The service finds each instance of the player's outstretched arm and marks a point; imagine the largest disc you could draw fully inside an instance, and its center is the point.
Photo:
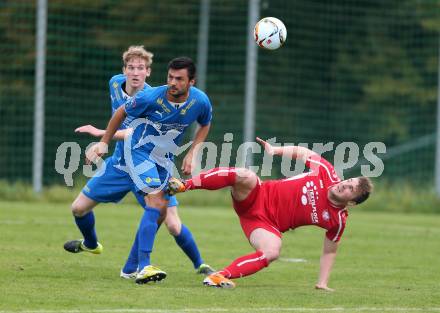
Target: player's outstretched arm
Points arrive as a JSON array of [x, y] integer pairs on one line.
[[326, 263], [100, 148], [97, 132], [295, 152], [113, 125], [199, 137]]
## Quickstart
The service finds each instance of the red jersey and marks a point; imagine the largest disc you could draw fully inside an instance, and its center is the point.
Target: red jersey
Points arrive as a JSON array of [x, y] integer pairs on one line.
[[302, 200]]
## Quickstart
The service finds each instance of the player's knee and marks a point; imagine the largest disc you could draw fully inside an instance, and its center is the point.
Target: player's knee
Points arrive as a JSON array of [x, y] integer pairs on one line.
[[78, 209], [156, 202], [245, 177], [271, 254], [173, 223], [173, 227]]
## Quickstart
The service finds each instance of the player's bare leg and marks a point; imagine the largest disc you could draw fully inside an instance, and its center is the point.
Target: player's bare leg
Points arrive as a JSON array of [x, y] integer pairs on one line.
[[82, 208], [185, 241], [266, 242], [82, 205], [157, 200], [268, 247], [245, 182], [172, 221], [242, 182]]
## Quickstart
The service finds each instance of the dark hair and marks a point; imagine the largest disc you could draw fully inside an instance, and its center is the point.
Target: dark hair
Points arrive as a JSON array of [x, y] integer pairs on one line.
[[365, 187], [181, 63]]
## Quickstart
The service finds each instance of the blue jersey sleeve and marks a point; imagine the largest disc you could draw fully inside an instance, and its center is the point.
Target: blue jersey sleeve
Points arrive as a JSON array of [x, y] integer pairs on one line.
[[205, 116], [112, 94], [116, 96]]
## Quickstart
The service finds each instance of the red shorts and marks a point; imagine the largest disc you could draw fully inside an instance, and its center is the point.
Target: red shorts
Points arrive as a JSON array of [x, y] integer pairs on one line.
[[253, 214]]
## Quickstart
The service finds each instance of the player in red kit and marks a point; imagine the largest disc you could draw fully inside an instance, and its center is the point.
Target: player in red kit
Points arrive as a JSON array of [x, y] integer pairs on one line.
[[267, 209]]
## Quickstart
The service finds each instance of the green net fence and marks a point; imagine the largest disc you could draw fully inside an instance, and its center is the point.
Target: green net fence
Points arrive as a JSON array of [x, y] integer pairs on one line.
[[353, 70]]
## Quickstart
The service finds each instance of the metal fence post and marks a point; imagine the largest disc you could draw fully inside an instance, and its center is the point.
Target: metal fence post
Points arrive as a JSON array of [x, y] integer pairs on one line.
[[40, 69], [251, 78]]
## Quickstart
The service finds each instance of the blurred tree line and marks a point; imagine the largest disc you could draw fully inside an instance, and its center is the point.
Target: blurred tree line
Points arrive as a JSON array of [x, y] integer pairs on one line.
[[350, 71]]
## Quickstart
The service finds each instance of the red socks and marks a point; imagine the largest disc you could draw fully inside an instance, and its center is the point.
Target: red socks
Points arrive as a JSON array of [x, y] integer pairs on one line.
[[245, 265], [214, 179]]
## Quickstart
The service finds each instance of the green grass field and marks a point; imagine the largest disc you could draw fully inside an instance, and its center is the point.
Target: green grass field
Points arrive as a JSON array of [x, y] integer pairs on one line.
[[387, 262]]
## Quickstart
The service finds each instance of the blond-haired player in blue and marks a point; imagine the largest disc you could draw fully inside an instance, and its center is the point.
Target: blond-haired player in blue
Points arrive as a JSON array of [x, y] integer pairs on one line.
[[115, 182]]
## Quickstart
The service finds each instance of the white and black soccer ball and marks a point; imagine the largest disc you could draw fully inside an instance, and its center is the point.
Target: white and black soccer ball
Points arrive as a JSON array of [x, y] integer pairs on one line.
[[270, 33]]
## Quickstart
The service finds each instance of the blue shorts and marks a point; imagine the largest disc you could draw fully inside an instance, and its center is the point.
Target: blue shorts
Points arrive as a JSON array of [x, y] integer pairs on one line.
[[111, 184], [147, 175]]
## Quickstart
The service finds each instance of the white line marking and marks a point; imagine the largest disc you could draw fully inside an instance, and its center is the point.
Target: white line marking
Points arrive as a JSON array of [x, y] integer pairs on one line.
[[296, 309], [292, 260]]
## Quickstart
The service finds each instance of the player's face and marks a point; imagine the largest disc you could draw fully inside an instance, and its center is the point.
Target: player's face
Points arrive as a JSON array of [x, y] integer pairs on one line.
[[345, 191], [136, 72], [178, 83]]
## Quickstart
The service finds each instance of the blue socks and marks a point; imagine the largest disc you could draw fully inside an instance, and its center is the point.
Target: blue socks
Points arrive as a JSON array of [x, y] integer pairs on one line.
[[143, 244], [131, 264], [186, 242], [86, 225], [146, 235]]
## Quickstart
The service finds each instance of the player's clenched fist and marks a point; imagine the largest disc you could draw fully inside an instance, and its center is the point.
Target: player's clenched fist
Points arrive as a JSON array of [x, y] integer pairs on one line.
[[96, 151]]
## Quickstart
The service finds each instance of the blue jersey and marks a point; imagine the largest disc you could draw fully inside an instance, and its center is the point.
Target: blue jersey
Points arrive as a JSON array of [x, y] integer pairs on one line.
[[164, 125], [119, 97], [112, 183]]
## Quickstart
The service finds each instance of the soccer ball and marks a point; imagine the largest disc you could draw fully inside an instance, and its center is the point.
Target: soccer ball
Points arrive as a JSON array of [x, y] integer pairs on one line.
[[270, 33]]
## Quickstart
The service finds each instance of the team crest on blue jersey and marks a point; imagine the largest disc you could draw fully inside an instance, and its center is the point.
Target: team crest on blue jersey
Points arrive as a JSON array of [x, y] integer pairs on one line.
[[133, 102]]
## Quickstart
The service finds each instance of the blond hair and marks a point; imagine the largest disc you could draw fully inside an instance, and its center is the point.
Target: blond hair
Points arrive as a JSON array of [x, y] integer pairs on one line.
[[365, 187], [137, 52]]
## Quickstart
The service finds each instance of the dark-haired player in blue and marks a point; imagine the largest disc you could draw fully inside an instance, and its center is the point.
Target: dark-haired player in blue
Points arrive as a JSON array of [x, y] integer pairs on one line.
[[112, 184]]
